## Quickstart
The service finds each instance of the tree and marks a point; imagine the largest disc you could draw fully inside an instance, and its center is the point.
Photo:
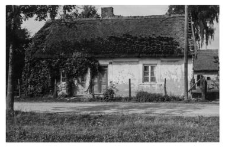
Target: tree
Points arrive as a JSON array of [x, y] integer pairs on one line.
[[87, 11], [203, 17], [22, 40], [14, 17]]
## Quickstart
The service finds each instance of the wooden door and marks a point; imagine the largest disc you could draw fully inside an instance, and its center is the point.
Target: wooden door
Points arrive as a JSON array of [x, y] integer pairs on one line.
[[100, 83]]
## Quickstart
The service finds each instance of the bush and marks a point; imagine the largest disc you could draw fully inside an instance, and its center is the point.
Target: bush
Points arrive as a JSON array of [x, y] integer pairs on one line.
[[108, 95], [143, 96]]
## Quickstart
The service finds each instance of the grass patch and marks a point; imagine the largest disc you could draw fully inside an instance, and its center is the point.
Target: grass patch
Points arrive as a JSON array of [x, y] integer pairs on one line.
[[68, 127]]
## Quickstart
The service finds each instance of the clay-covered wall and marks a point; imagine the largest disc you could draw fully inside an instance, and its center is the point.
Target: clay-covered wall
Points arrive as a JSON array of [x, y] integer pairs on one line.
[[121, 70]]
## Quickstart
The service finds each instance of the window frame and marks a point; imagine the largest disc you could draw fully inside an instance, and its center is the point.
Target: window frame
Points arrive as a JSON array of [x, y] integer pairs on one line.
[[149, 73]]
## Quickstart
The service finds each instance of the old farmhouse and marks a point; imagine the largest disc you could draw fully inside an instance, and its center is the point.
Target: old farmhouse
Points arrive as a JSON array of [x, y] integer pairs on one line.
[[205, 64], [145, 49]]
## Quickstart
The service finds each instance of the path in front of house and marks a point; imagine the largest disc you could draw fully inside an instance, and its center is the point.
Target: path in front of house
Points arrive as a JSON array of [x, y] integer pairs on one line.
[[171, 109]]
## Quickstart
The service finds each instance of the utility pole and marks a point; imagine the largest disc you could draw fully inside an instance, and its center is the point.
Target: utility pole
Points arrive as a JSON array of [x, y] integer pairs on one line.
[[186, 54]]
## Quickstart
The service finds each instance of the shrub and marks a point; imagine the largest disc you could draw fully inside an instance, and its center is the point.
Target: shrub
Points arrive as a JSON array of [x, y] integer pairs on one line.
[[108, 95], [126, 99], [143, 96]]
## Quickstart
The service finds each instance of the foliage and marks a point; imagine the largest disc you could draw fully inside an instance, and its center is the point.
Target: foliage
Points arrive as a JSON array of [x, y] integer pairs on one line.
[[40, 12], [69, 127], [108, 95], [40, 74], [36, 80], [14, 16], [21, 41], [203, 17], [143, 96], [87, 11]]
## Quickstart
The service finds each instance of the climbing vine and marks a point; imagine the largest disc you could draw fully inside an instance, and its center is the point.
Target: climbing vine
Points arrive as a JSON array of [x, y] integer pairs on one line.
[[39, 74]]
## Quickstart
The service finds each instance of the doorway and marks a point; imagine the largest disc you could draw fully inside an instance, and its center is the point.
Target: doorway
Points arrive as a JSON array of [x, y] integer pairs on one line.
[[100, 83]]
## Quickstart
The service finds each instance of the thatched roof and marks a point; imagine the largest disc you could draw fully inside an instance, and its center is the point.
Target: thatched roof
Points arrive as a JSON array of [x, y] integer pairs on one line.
[[149, 36], [206, 61]]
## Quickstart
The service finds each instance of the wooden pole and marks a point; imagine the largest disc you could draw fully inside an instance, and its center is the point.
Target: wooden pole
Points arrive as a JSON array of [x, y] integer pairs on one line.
[[165, 87], [129, 88], [186, 54]]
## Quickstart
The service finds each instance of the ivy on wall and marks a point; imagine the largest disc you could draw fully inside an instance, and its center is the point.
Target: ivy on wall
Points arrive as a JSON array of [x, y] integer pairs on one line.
[[39, 74]]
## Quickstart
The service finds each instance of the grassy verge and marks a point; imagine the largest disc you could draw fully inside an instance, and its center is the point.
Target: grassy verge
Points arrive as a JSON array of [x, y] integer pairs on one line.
[[99, 99], [67, 127]]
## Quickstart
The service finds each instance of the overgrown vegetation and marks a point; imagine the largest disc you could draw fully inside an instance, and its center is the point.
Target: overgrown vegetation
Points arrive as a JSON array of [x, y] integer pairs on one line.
[[39, 75], [143, 96], [55, 127], [203, 17], [109, 96]]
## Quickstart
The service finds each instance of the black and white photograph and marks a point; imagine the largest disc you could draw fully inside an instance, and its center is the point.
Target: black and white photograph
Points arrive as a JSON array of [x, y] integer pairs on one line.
[[112, 73]]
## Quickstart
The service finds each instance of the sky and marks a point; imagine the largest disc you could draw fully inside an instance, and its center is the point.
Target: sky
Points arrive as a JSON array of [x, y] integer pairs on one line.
[[128, 10]]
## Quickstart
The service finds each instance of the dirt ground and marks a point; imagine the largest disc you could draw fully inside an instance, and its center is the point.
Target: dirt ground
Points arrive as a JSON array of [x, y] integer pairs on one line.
[[172, 109]]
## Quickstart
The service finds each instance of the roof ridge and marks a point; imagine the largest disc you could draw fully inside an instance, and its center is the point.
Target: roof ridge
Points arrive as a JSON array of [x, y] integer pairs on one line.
[[122, 18]]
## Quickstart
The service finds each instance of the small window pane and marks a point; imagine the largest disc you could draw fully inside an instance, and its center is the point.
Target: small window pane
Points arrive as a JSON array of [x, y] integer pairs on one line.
[[152, 68], [146, 79], [146, 68], [146, 74], [153, 79], [152, 74]]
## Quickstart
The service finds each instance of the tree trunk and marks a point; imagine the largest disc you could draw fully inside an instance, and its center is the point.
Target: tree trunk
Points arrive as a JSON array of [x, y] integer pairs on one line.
[[10, 83], [10, 88]]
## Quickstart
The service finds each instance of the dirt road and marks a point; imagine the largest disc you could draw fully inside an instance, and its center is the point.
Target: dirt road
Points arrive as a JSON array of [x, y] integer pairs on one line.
[[173, 109]]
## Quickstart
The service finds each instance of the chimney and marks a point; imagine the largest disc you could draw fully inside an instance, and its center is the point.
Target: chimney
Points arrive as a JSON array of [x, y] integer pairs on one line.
[[107, 12]]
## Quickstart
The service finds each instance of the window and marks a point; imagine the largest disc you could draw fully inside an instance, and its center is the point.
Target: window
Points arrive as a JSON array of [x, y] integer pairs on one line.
[[149, 74], [63, 76]]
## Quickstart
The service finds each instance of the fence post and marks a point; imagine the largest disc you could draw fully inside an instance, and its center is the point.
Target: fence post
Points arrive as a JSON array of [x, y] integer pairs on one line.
[[165, 92], [129, 88]]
